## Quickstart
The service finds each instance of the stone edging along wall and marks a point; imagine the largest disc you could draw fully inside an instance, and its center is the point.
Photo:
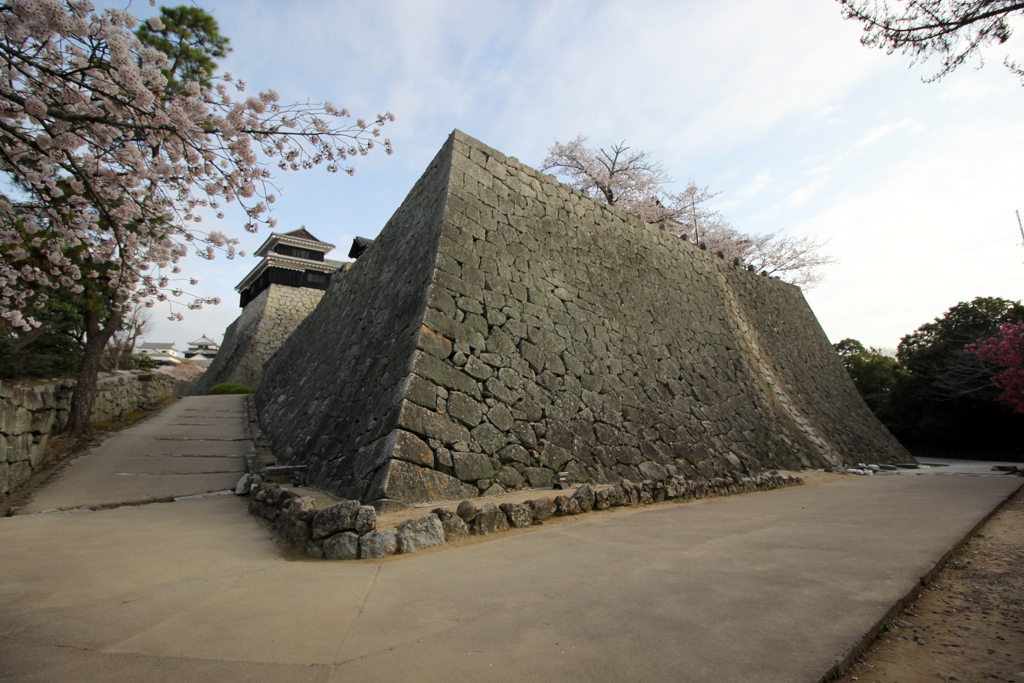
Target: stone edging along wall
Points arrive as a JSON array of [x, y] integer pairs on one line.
[[31, 414], [348, 530]]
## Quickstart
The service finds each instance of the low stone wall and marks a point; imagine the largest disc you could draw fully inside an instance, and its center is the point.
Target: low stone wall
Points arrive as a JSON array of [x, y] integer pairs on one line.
[[31, 413], [348, 530]]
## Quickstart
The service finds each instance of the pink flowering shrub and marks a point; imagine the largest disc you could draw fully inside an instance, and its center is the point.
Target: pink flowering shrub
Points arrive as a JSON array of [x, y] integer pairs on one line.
[[1005, 352]]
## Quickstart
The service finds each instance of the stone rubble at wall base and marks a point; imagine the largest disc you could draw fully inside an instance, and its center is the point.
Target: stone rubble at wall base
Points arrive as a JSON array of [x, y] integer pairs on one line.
[[347, 530]]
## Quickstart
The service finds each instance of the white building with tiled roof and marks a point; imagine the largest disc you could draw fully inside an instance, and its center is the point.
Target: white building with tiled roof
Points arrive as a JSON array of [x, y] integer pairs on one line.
[[161, 352]]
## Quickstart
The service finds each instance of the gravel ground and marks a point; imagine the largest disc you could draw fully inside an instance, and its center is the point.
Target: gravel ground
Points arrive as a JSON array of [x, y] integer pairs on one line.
[[968, 624]]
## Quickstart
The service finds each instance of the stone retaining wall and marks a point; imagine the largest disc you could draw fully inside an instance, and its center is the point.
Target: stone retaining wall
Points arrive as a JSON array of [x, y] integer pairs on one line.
[[504, 327], [31, 413], [264, 324], [348, 530]]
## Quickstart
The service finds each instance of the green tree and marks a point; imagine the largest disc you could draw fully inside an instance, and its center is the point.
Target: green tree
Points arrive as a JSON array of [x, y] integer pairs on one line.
[[192, 39], [946, 397], [935, 351], [873, 373]]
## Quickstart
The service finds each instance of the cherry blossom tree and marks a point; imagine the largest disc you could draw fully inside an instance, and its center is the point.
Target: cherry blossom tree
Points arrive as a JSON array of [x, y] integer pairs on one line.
[[1005, 353], [632, 181], [110, 171]]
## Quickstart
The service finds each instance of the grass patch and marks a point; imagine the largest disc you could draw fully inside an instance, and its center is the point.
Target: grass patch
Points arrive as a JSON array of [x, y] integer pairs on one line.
[[230, 388]]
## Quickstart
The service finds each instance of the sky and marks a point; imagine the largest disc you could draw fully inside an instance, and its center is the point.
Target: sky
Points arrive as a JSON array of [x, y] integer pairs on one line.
[[777, 106]]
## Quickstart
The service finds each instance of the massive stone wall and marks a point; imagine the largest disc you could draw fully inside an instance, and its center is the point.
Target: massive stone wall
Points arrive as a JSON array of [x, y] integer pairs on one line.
[[258, 332], [332, 394], [31, 413], [505, 327]]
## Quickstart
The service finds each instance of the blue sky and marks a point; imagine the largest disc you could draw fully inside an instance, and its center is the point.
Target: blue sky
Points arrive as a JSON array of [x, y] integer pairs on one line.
[[775, 105]]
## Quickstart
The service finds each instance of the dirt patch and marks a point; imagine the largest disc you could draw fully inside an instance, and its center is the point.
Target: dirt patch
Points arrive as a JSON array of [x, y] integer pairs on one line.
[[968, 623]]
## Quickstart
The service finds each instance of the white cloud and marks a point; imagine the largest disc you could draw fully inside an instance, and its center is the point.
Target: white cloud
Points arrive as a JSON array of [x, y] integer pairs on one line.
[[795, 121], [928, 233], [755, 186], [875, 134], [805, 193]]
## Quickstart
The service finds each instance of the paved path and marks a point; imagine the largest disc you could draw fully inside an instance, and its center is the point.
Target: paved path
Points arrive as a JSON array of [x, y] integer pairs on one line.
[[194, 446], [765, 587]]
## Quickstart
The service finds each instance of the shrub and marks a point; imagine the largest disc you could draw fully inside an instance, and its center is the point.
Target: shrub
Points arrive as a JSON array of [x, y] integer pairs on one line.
[[230, 388]]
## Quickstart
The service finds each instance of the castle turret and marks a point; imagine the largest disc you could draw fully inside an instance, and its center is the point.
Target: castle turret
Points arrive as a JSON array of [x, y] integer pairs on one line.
[[275, 297], [293, 259]]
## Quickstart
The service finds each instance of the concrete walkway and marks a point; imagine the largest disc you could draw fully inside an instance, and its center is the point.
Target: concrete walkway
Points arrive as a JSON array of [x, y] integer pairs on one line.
[[765, 587], [194, 446]]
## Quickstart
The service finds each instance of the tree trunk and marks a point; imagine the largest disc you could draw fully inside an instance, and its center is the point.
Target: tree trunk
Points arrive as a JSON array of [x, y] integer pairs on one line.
[[96, 338]]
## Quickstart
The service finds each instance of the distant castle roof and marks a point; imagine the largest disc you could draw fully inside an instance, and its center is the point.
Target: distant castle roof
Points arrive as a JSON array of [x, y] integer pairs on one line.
[[158, 345], [203, 341], [299, 238], [303, 234]]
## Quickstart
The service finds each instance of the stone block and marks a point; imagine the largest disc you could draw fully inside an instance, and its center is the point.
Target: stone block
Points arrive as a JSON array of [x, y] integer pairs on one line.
[[376, 544], [539, 477], [489, 438], [554, 457], [417, 534], [422, 392], [653, 471], [566, 506], [477, 369], [518, 514], [366, 520], [403, 481], [494, 489], [336, 518], [472, 466], [433, 343], [412, 449], [515, 453], [18, 474], [490, 520], [467, 512], [16, 420], [543, 508], [510, 478], [42, 421], [38, 453], [466, 410], [425, 423], [501, 417], [343, 546], [18, 448], [455, 528], [584, 497]]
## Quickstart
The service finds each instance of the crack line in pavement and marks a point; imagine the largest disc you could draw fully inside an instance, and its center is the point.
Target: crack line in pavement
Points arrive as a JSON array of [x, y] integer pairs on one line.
[[362, 605], [185, 438], [127, 503], [189, 455], [164, 474], [453, 623]]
